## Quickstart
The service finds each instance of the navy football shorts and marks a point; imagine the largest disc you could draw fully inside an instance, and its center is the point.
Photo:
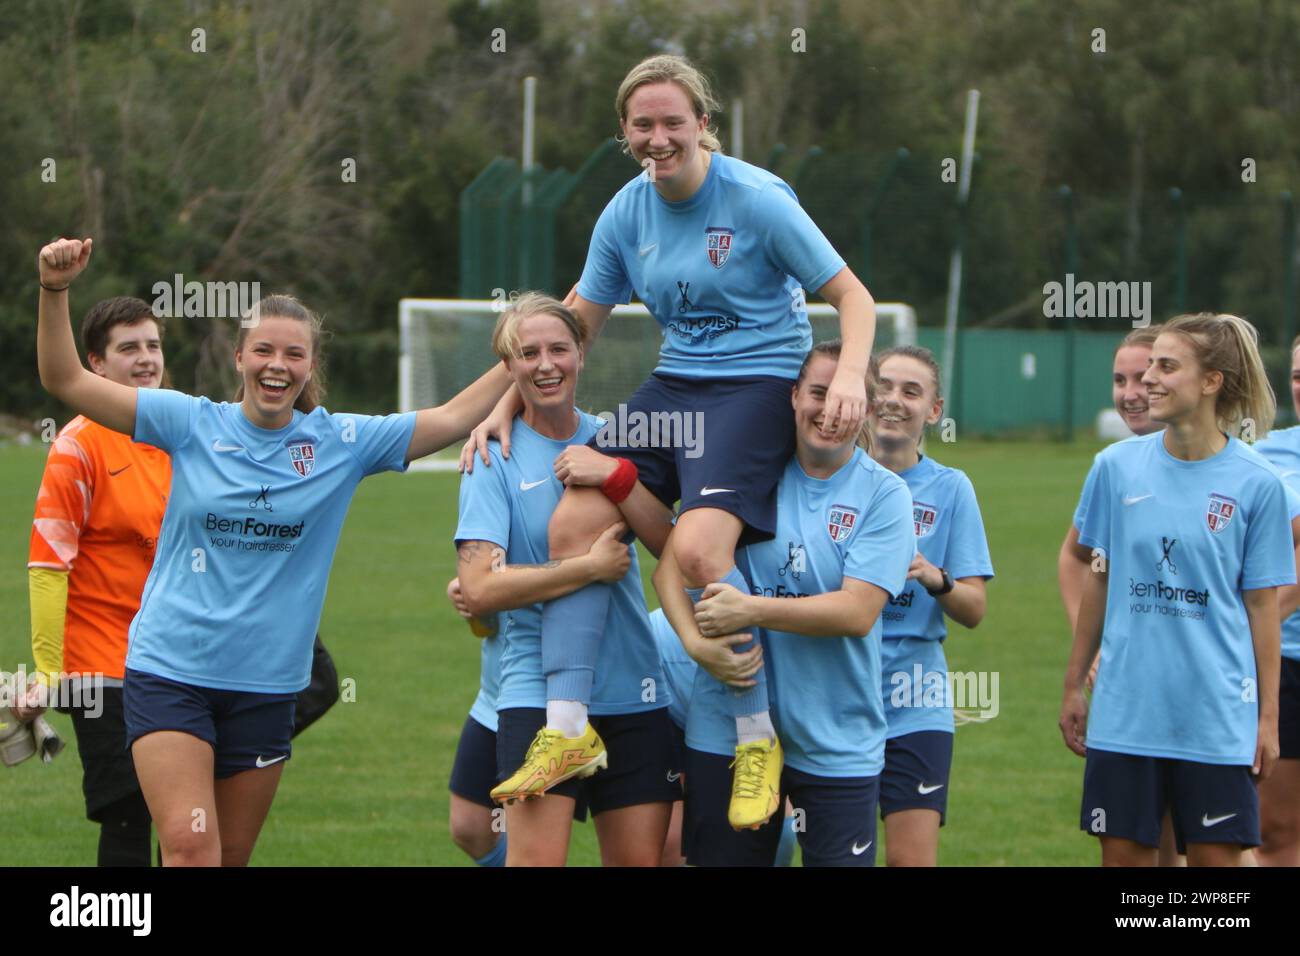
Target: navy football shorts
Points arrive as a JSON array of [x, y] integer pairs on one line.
[[916, 773], [1125, 795], [1288, 719], [247, 731], [474, 770], [641, 760], [741, 437], [108, 771], [835, 818]]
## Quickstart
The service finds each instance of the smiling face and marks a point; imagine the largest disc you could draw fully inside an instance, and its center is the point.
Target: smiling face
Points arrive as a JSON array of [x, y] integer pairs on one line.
[[1127, 390], [275, 361], [1175, 382], [906, 401], [809, 401], [547, 366], [661, 124], [133, 355]]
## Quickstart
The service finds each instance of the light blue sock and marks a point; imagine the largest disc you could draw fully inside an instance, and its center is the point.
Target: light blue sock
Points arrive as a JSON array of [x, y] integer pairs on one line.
[[496, 856], [785, 849], [572, 627], [749, 700]]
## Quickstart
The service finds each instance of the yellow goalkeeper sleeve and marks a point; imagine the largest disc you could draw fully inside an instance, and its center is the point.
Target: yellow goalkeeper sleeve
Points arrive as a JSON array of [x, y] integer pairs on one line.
[[48, 591]]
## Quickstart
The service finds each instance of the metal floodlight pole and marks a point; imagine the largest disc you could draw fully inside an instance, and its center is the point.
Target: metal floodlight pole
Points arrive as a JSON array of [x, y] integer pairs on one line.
[[955, 264], [738, 129]]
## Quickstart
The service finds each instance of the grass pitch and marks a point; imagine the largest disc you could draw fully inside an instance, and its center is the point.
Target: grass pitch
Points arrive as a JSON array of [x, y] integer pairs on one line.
[[368, 784]]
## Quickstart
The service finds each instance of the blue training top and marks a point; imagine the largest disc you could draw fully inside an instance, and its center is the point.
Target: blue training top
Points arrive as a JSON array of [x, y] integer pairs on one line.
[[1282, 450], [722, 272], [824, 691], [1183, 540], [950, 534], [253, 519], [510, 505]]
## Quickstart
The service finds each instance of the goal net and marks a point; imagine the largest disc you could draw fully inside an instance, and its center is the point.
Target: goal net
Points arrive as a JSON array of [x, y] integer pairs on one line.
[[447, 343]]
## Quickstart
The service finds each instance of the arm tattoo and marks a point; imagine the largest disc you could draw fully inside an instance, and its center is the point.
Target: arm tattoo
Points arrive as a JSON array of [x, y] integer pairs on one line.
[[467, 552]]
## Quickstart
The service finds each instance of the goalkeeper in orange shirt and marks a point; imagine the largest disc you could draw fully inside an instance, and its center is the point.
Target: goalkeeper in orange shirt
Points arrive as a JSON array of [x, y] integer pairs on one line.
[[98, 514]]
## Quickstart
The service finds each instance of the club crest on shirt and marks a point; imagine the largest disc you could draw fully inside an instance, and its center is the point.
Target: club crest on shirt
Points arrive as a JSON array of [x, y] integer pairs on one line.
[[840, 521], [717, 240], [1219, 512], [302, 455], [923, 517]]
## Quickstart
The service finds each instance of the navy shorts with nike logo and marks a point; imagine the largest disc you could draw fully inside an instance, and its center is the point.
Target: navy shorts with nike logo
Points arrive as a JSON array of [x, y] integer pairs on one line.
[[246, 730], [736, 455], [835, 818], [915, 777], [1126, 795]]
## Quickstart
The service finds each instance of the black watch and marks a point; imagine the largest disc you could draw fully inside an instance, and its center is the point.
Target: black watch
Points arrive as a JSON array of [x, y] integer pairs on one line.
[[948, 584]]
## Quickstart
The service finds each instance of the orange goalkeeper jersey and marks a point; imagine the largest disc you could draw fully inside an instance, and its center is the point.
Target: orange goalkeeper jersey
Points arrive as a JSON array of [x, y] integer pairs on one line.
[[98, 515]]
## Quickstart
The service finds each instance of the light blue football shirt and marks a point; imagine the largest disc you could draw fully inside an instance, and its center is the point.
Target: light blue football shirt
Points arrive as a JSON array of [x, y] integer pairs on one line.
[[721, 272], [824, 691], [510, 505], [484, 708], [1182, 539], [1282, 450], [950, 534], [253, 519], [679, 667]]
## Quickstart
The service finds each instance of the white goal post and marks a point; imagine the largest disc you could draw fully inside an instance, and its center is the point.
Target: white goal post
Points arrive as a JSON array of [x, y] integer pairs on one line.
[[445, 344]]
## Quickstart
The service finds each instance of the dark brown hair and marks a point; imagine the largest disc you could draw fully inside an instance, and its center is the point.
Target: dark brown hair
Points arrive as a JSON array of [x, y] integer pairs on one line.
[[287, 307], [104, 316]]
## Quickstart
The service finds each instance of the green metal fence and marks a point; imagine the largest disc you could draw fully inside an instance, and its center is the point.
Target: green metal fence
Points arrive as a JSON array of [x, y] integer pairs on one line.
[[892, 215]]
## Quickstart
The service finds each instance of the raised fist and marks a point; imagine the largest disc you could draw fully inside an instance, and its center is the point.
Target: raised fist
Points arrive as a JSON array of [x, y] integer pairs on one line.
[[62, 261]]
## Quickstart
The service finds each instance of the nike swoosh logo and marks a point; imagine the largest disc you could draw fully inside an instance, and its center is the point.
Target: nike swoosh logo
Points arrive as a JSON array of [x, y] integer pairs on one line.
[[119, 471], [923, 789], [673, 777], [859, 850], [525, 485], [648, 249], [1207, 822], [715, 491], [218, 446], [267, 763], [1133, 501]]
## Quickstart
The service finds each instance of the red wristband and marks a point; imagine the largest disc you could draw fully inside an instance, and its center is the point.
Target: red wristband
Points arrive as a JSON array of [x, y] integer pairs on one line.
[[620, 484]]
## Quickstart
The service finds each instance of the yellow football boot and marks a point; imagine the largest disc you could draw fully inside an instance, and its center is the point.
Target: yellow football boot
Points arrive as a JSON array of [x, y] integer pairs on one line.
[[756, 784], [552, 759]]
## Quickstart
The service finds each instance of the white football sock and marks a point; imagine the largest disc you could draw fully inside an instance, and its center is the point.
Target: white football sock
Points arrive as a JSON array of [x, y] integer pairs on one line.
[[755, 727], [569, 717]]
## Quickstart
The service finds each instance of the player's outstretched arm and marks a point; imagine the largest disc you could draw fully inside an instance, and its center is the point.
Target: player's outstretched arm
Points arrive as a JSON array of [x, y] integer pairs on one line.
[[488, 584], [849, 612], [446, 424], [715, 654], [62, 374], [1087, 639], [846, 399], [1266, 635]]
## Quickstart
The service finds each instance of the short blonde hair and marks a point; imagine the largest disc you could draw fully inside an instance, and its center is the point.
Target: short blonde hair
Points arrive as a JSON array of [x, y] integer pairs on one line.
[[505, 336], [667, 68]]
